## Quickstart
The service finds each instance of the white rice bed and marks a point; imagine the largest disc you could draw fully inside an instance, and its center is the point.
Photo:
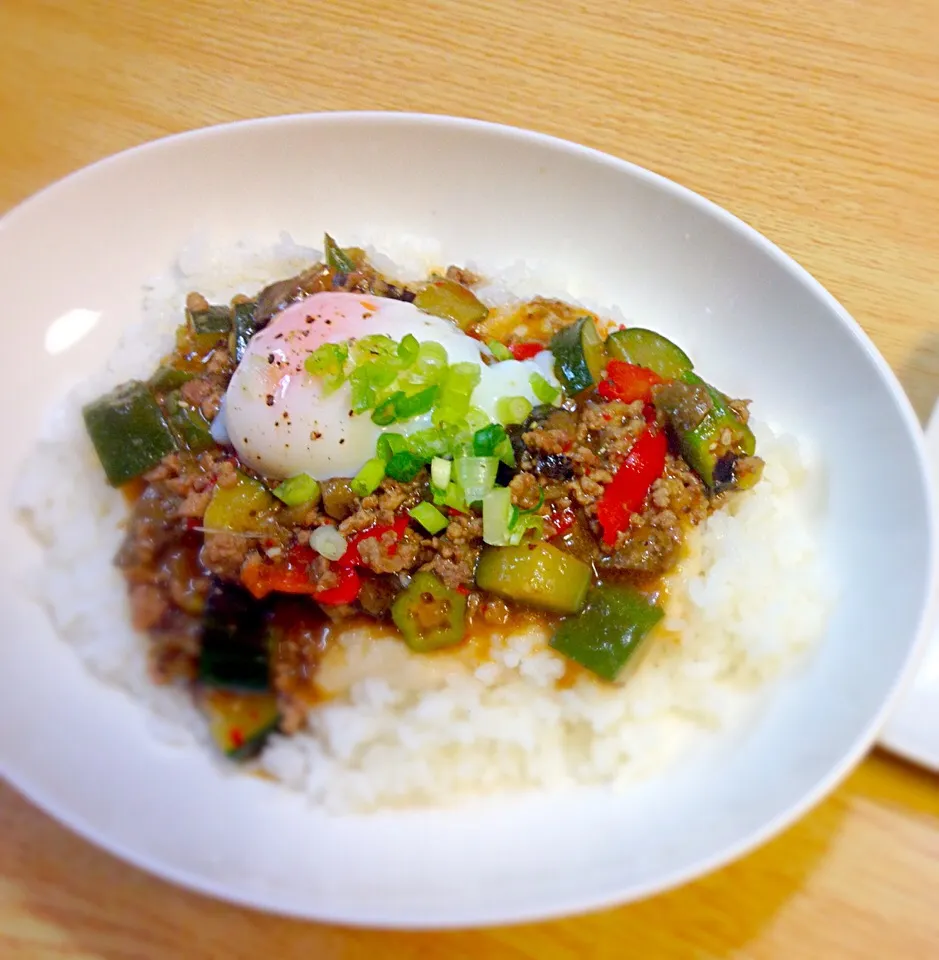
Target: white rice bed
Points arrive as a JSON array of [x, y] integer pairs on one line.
[[750, 596]]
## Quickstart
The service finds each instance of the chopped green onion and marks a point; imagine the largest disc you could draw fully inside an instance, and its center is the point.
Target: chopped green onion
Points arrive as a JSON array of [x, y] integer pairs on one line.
[[373, 347], [543, 390], [389, 444], [475, 419], [364, 394], [452, 497], [336, 257], [384, 414], [429, 368], [503, 524], [408, 350], [513, 409], [476, 476], [404, 466], [406, 408], [440, 471], [296, 490], [453, 402], [486, 440], [499, 350], [328, 542], [428, 444], [429, 517], [368, 478], [522, 523], [497, 516], [328, 361]]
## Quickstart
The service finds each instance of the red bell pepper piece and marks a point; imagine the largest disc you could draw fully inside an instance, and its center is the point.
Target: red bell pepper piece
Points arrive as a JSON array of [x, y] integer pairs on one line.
[[289, 576], [627, 382], [345, 591], [525, 351], [352, 557], [624, 495]]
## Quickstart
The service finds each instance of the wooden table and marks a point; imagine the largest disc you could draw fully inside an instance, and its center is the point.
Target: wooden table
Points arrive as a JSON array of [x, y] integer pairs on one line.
[[815, 120]]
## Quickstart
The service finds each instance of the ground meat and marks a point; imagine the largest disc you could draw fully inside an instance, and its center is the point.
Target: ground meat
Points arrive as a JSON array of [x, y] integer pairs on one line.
[[462, 275], [226, 476], [219, 362], [551, 442], [610, 429], [741, 408], [681, 491], [395, 496], [148, 604], [388, 554], [195, 503], [224, 553], [464, 528], [526, 491], [196, 303]]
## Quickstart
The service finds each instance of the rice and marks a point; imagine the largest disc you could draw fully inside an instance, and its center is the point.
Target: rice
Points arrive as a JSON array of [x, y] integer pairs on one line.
[[750, 596]]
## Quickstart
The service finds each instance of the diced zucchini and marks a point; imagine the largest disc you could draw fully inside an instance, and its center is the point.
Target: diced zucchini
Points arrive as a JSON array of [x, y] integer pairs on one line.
[[215, 320], [240, 723], [646, 348], [191, 428], [537, 574], [608, 630], [579, 355], [240, 508], [244, 327], [451, 301], [129, 432], [234, 652]]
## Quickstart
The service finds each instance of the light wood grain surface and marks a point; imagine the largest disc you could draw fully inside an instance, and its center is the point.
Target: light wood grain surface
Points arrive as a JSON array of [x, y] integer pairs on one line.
[[817, 121]]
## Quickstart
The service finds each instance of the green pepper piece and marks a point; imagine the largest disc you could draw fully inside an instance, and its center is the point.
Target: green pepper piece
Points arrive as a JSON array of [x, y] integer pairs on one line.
[[244, 327], [538, 574], [337, 258], [187, 423], [169, 378], [714, 446], [646, 348], [451, 301], [608, 630], [128, 430], [428, 614]]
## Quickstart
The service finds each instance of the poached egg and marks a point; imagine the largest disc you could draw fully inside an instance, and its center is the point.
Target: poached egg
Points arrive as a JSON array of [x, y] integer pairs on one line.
[[281, 423]]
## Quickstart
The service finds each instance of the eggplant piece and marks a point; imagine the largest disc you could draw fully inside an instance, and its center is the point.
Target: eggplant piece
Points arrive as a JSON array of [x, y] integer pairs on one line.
[[235, 644]]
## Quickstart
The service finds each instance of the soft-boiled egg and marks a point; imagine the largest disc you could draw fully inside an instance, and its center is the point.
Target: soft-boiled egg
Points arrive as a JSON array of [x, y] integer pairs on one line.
[[277, 416]]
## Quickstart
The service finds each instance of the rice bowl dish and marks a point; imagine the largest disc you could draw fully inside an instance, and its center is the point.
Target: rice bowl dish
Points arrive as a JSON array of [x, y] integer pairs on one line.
[[666, 781], [747, 598]]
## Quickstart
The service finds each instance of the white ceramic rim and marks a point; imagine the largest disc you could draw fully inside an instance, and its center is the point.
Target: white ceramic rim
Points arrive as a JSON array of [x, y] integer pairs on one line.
[[558, 906]]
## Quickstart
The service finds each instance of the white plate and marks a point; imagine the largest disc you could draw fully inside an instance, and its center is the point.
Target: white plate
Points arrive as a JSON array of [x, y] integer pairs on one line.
[[617, 233], [913, 729]]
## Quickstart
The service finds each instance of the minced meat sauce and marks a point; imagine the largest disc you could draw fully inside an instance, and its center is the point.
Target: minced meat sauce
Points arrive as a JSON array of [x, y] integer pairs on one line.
[[568, 456]]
